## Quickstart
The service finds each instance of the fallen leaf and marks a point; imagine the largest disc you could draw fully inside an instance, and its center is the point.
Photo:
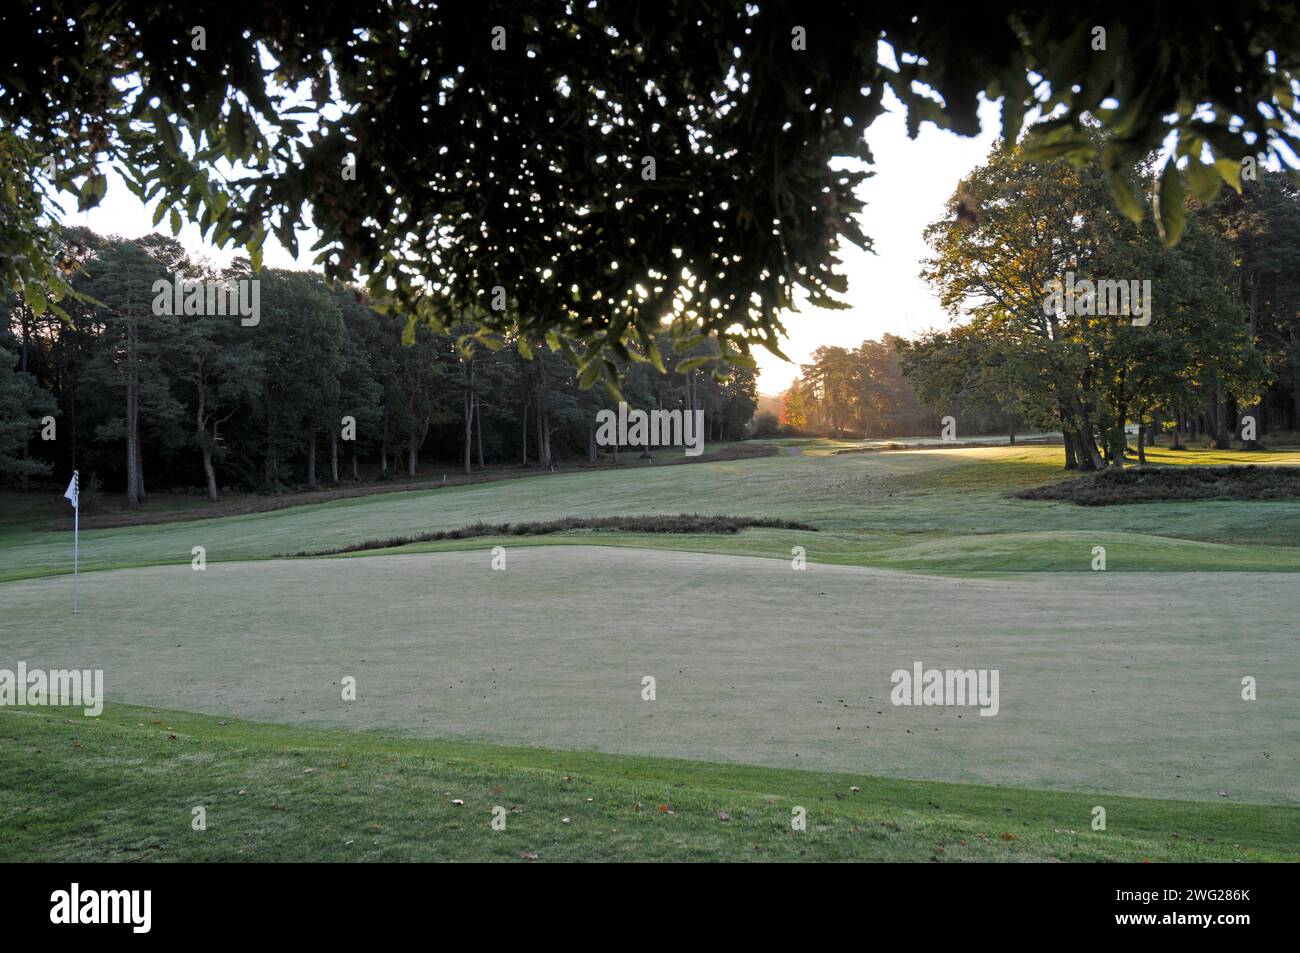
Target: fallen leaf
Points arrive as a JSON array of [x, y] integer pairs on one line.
[[1008, 836]]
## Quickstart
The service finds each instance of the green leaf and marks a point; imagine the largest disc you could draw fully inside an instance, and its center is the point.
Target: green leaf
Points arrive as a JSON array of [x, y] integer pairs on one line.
[[652, 354], [1126, 197], [692, 363], [1071, 149], [1170, 214], [255, 247], [92, 190], [1204, 180], [1229, 170], [590, 374]]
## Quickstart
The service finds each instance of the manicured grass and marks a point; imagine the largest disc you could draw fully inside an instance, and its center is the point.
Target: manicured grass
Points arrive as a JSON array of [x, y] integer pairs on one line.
[[123, 787], [1115, 681], [879, 506], [1123, 682]]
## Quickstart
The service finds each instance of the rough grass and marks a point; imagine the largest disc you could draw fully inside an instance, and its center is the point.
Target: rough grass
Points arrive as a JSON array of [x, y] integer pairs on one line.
[[683, 523], [1153, 484], [123, 787]]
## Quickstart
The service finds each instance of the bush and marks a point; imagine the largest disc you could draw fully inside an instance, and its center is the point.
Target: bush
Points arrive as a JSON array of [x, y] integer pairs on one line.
[[765, 425], [663, 523], [1149, 484]]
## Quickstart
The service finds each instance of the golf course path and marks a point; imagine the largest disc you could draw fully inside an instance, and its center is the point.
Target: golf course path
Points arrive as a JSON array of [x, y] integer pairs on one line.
[[1125, 683]]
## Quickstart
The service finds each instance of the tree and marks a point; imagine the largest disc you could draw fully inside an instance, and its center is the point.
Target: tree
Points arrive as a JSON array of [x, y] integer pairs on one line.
[[1260, 226], [23, 402], [496, 152], [300, 333], [224, 374], [360, 394], [120, 279], [1079, 364]]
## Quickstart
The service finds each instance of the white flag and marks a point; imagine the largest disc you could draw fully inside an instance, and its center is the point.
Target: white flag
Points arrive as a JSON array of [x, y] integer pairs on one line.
[[71, 492]]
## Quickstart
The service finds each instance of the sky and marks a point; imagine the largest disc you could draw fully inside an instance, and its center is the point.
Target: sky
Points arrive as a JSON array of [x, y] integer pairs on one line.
[[913, 180]]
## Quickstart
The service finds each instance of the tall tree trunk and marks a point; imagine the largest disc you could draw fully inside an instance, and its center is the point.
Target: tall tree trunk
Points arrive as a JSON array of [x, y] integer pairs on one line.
[[1071, 441], [1142, 443], [334, 457], [478, 427], [22, 366], [133, 494], [1256, 411], [210, 472], [206, 444], [272, 468], [543, 433], [311, 461], [412, 456], [467, 417], [1222, 434], [1089, 455], [139, 460], [1295, 377], [354, 463], [524, 433]]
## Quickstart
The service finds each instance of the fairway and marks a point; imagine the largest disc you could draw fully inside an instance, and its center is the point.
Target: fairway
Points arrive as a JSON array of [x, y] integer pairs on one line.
[[928, 510], [1122, 683]]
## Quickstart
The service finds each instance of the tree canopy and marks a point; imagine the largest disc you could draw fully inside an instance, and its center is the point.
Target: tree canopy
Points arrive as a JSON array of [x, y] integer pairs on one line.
[[1093, 368], [574, 174]]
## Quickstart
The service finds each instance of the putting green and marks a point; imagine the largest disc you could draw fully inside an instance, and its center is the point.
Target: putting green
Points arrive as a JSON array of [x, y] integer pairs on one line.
[[1124, 683]]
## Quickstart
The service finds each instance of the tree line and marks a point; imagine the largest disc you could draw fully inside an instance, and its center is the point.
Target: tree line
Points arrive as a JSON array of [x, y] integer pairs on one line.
[[858, 391], [318, 386], [1214, 352]]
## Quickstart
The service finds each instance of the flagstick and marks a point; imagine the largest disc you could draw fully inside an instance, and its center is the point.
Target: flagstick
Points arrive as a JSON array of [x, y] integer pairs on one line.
[[76, 532]]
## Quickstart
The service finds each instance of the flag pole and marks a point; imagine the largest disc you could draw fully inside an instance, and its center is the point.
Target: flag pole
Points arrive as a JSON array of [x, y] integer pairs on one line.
[[76, 533]]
